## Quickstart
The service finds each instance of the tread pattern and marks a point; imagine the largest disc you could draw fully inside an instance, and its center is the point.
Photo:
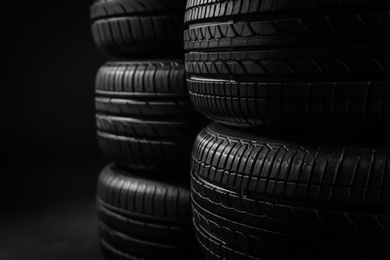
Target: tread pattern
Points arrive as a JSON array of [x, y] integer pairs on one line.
[[304, 106], [168, 107], [215, 249], [130, 36], [320, 63], [141, 217], [104, 8], [203, 9], [144, 116], [141, 79], [256, 197], [136, 127], [332, 175], [294, 219], [166, 155], [237, 50], [126, 192], [111, 253], [263, 244], [341, 28], [132, 27], [137, 247]]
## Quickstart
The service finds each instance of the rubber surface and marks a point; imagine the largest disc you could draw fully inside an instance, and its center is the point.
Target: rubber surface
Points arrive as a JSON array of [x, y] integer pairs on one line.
[[103, 8], [146, 146], [141, 78], [259, 197], [317, 63], [140, 217], [362, 27], [133, 27], [144, 116], [301, 107], [303, 65], [253, 243], [154, 88], [204, 9]]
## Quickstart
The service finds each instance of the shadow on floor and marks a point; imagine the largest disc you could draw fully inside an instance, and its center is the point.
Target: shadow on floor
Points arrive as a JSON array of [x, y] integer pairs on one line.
[[51, 215]]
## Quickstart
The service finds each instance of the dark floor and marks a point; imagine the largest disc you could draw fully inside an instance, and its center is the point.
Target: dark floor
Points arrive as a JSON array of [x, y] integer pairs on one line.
[[49, 213]]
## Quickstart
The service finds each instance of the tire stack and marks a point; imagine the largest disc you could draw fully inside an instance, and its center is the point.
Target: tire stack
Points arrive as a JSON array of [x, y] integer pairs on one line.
[[146, 125], [297, 164]]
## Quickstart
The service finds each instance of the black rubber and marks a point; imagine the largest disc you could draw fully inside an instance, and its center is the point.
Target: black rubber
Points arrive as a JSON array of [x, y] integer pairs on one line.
[[154, 88], [134, 27], [255, 243], [139, 106], [363, 27], [148, 145], [205, 9], [301, 106], [312, 63], [141, 78], [257, 196], [104, 8], [144, 117], [140, 217], [139, 127], [299, 219], [303, 65]]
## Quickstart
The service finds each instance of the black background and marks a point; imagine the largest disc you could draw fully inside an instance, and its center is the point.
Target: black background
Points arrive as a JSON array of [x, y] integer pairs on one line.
[[50, 158], [51, 69]]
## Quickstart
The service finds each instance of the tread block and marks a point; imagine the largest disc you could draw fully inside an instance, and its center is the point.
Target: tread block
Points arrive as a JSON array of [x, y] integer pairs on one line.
[[262, 244], [141, 217], [301, 106], [325, 63], [157, 154], [295, 218], [330, 174], [363, 27], [144, 117], [128, 28], [146, 78], [205, 9]]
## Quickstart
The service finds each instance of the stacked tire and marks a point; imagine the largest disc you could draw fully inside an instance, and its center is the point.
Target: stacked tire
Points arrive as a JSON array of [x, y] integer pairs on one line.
[[296, 165], [146, 126]]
